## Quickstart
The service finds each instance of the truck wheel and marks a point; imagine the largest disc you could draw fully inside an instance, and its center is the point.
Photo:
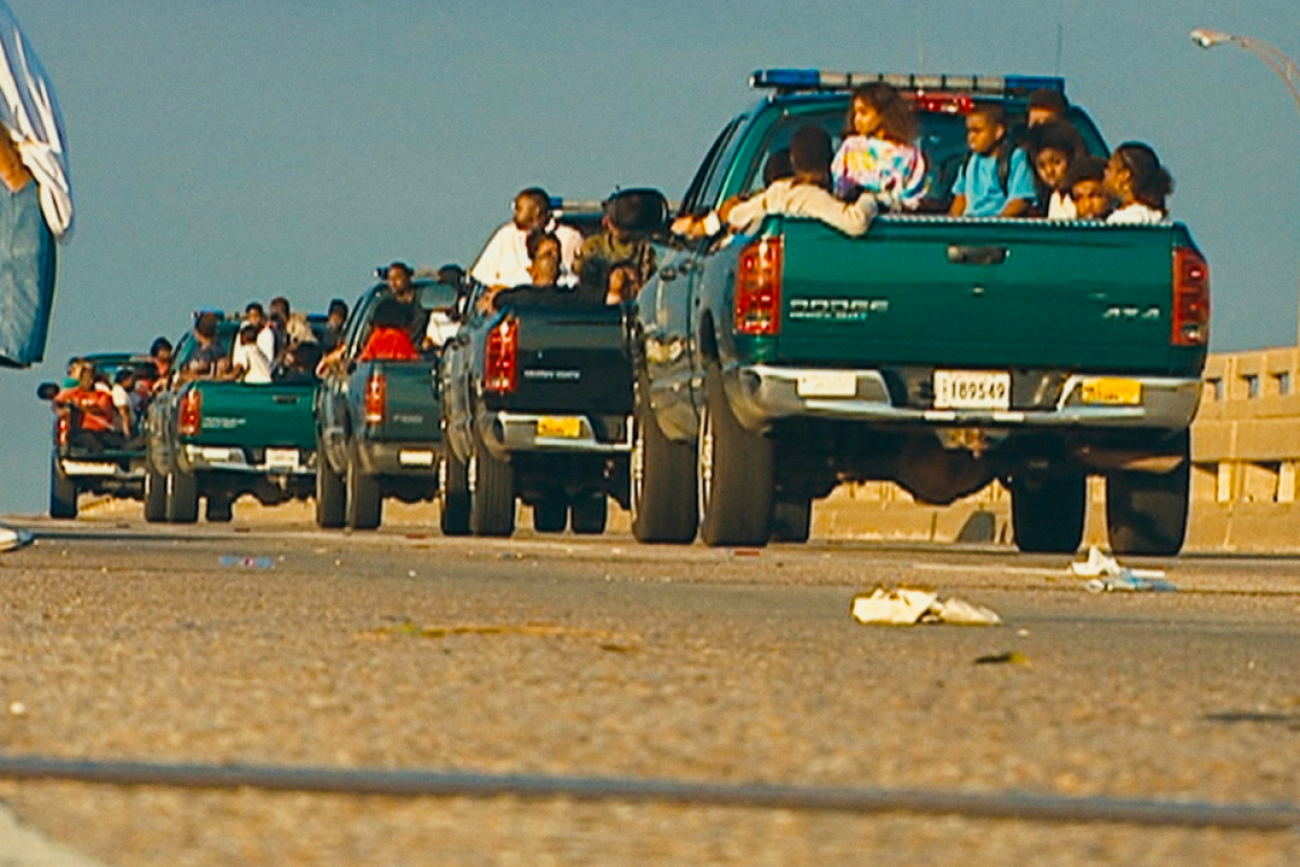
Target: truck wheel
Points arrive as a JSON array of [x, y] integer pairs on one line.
[[1047, 513], [550, 514], [453, 495], [1146, 513], [219, 509], [331, 493], [664, 501], [182, 498], [735, 471], [155, 496], [492, 493], [365, 505], [63, 493], [791, 520], [590, 514]]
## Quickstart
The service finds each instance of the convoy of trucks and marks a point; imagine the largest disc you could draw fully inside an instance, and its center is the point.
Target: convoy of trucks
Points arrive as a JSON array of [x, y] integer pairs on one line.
[[755, 372]]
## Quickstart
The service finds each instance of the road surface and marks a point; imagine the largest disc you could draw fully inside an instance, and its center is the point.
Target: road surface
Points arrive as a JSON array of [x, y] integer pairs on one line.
[[567, 656]]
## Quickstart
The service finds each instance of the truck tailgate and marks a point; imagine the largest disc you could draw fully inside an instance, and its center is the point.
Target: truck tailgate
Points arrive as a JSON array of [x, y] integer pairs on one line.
[[970, 294], [256, 416], [572, 359], [412, 412]]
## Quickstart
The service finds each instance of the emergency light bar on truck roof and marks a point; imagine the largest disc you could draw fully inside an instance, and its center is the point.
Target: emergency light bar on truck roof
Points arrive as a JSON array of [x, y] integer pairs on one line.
[[820, 79]]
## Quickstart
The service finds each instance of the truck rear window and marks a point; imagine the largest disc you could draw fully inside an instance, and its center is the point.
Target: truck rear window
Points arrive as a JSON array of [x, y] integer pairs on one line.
[[942, 138]]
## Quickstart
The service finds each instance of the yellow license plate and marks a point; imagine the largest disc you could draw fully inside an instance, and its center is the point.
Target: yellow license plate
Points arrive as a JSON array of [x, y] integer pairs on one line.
[[560, 427], [1121, 392]]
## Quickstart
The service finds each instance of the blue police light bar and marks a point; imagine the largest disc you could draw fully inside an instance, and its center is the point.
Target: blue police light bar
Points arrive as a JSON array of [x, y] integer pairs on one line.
[[820, 79]]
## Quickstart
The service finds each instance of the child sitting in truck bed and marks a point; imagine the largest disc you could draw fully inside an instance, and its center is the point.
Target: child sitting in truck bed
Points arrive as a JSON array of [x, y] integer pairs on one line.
[[807, 194], [388, 340], [615, 263], [995, 180], [1086, 184], [1055, 145], [1139, 184], [878, 155]]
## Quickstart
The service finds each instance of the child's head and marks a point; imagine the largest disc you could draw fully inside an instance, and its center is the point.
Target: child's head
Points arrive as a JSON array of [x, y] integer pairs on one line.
[[1086, 183], [777, 167], [878, 110], [986, 127], [124, 377], [248, 333], [811, 153], [1046, 106], [1055, 145], [544, 251], [1134, 174]]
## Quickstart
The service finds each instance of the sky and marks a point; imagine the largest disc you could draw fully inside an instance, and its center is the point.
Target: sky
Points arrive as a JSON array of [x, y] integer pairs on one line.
[[228, 150]]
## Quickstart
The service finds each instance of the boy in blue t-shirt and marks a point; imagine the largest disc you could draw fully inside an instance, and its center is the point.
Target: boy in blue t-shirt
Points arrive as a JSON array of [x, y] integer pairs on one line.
[[995, 180]]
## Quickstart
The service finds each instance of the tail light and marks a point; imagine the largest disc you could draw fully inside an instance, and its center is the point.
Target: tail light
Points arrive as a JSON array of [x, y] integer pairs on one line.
[[191, 414], [758, 287], [376, 398], [1191, 303], [501, 358], [61, 429]]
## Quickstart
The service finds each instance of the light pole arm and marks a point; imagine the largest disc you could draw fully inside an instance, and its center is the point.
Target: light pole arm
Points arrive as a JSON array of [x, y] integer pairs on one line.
[[1284, 66]]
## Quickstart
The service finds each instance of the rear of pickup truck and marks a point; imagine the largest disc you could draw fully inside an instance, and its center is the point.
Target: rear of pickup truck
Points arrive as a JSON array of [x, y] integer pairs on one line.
[[233, 438], [943, 354], [538, 403]]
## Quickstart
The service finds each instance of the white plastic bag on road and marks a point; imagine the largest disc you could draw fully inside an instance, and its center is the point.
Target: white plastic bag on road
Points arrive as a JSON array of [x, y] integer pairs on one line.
[[1106, 575], [902, 606]]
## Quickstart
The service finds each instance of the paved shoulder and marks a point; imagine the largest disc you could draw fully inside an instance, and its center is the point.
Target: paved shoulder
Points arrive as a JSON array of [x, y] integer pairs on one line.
[[21, 846]]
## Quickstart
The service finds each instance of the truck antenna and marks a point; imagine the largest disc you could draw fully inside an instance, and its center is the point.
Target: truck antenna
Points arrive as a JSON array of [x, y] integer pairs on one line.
[[1060, 44]]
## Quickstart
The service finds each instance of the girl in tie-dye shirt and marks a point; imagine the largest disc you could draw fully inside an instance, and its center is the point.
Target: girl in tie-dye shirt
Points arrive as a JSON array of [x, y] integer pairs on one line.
[[879, 157]]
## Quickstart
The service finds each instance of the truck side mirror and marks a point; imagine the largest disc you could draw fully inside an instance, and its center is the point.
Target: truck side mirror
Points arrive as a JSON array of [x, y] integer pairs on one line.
[[643, 212], [47, 390]]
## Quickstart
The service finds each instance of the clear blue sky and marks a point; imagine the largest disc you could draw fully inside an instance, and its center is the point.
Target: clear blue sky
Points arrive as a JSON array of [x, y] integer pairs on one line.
[[224, 150]]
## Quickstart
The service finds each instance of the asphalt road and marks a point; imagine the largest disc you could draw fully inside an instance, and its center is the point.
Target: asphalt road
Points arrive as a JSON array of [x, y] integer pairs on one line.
[[568, 656]]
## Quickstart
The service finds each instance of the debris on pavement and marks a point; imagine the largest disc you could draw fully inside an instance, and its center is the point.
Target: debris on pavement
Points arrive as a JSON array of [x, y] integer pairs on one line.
[[231, 561], [12, 538], [1106, 575], [904, 606], [1012, 657]]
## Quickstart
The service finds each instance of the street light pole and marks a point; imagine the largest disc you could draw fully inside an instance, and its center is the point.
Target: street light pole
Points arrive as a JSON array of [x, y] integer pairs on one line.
[[1284, 66]]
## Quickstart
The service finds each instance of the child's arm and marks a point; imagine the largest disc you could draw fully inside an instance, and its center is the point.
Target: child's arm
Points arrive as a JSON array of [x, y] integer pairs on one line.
[[1016, 208], [958, 208]]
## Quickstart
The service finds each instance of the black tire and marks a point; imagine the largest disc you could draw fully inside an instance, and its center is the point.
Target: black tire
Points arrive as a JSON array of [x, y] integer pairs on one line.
[[1146, 513], [331, 493], [791, 520], [492, 494], [665, 505], [219, 509], [63, 493], [736, 475], [453, 495], [365, 505], [550, 515], [155, 497], [182, 498], [1048, 513], [590, 514]]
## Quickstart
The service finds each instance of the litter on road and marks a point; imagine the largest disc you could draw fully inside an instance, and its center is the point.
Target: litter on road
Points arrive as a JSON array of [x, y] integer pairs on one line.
[[1106, 575], [235, 562], [904, 606]]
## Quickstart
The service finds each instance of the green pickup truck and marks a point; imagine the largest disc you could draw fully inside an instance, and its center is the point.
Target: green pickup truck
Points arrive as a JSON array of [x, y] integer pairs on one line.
[[220, 440], [935, 352]]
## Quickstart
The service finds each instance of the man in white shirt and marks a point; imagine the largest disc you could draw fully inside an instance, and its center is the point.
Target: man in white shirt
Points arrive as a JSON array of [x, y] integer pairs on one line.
[[504, 261], [247, 361]]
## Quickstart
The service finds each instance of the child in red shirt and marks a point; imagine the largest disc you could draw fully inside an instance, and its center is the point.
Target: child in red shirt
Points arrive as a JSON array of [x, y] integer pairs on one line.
[[388, 339]]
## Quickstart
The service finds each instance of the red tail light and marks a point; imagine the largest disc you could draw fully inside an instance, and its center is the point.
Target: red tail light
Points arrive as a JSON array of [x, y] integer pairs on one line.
[[501, 358], [191, 414], [61, 427], [758, 287], [376, 398], [1191, 303]]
